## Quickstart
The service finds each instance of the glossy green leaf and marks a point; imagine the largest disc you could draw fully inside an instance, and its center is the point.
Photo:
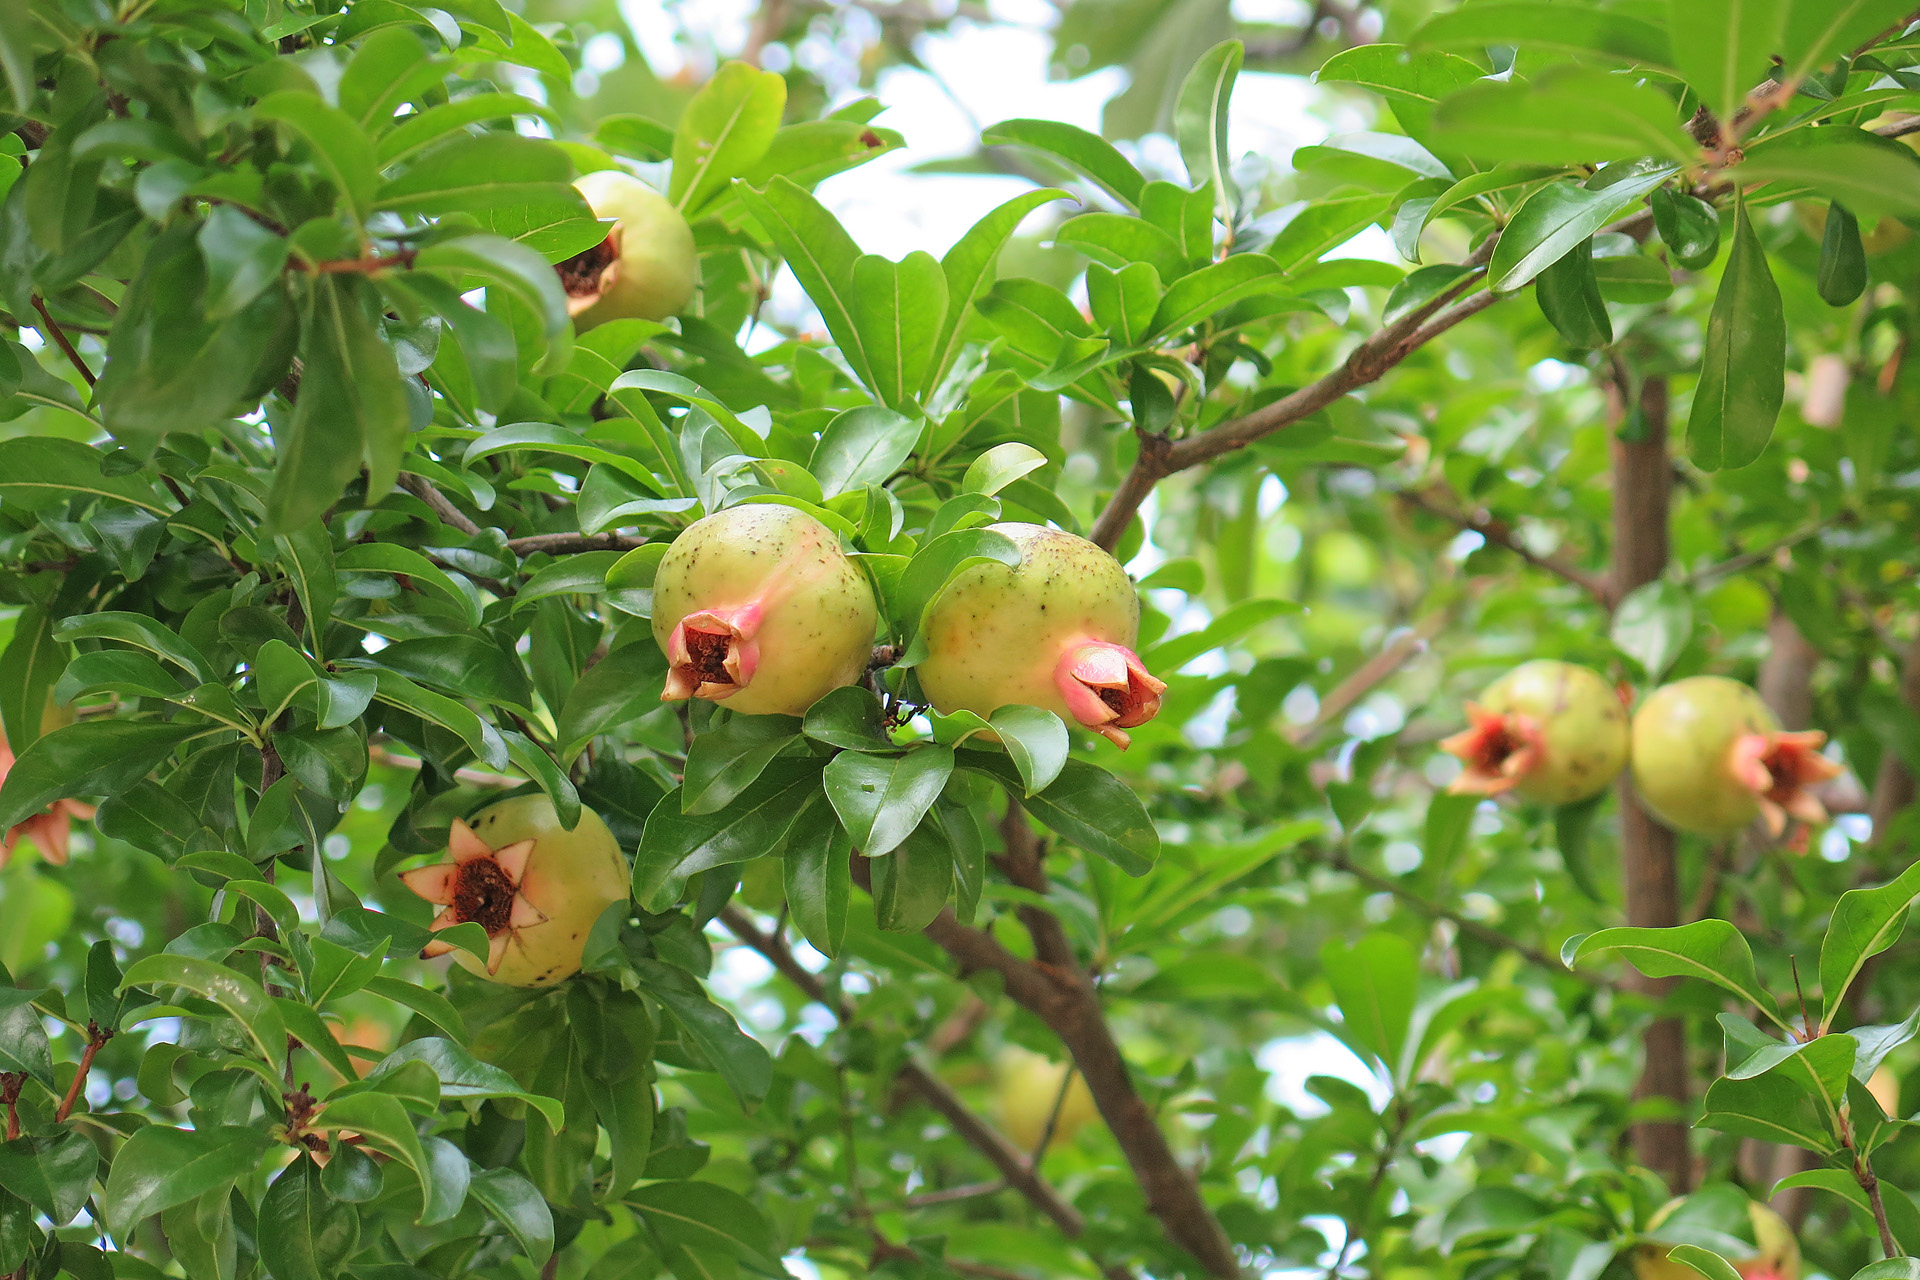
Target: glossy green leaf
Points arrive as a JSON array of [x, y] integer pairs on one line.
[[1089, 153], [677, 844], [1565, 116], [304, 1234], [818, 877], [1688, 225], [1569, 296], [969, 270], [880, 799], [94, 757], [1743, 368], [1842, 275], [726, 760], [724, 130], [1086, 806], [239, 995], [861, 447], [1865, 923], [1558, 217], [161, 1166], [1710, 950], [1723, 48], [1200, 121]]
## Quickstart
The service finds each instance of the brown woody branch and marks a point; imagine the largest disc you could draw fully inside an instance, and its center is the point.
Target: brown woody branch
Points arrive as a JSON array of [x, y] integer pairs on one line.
[[1012, 1163], [1500, 534], [1161, 456], [1058, 989], [61, 340], [557, 544], [96, 1037], [450, 515], [552, 544]]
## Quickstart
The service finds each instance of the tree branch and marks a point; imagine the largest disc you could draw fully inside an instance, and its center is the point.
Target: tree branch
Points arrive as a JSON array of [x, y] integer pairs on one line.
[[560, 544], [60, 340], [983, 1137], [1472, 928], [1498, 533], [450, 515], [1058, 990], [1161, 457], [1409, 645]]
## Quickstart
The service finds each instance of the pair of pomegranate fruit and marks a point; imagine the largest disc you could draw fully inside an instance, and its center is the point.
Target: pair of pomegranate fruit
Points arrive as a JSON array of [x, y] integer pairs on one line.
[[1708, 756], [759, 608]]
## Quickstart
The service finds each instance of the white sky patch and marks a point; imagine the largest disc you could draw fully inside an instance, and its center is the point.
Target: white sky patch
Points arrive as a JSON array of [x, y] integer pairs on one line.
[[1290, 1061]]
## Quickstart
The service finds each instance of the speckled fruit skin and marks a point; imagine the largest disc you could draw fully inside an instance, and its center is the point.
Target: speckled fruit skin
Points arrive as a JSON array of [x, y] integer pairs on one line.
[[816, 630], [659, 267], [573, 876], [1583, 728], [1682, 736], [997, 633]]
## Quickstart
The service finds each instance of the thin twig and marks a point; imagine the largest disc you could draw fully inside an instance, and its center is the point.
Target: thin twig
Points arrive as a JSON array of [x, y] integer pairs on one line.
[[95, 1038], [559, 544], [59, 337], [1498, 533], [422, 488], [1409, 645], [1473, 928], [11, 1082]]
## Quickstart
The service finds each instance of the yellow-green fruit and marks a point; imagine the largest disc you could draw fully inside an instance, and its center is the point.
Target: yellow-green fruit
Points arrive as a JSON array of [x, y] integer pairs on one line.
[[1026, 1089], [1776, 1253], [535, 887], [1550, 732], [646, 268], [1709, 757], [758, 606], [1056, 632]]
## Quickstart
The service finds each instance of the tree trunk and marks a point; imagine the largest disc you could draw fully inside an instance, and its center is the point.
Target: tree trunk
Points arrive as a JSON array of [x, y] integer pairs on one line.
[[1642, 481]]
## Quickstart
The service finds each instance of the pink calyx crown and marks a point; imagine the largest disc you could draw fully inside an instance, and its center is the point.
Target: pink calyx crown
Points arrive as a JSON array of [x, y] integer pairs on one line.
[[1108, 689]]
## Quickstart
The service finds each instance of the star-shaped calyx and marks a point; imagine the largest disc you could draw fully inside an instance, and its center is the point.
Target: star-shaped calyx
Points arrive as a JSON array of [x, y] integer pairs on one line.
[[1779, 768], [1499, 750], [481, 884]]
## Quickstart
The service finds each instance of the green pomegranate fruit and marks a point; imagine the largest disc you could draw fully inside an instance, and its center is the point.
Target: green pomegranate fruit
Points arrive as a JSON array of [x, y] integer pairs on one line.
[[535, 887], [1709, 757], [645, 269], [1055, 632], [1026, 1091], [1550, 732], [758, 606]]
